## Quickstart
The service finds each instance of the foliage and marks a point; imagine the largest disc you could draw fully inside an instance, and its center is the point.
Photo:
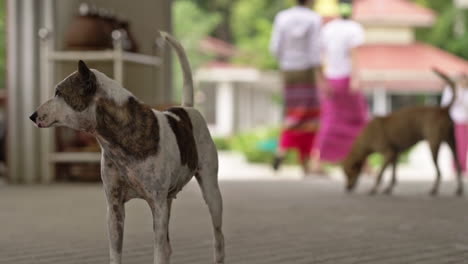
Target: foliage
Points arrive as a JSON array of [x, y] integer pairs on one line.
[[224, 8], [252, 23], [222, 143], [442, 34], [191, 25], [435, 4], [258, 146], [376, 160]]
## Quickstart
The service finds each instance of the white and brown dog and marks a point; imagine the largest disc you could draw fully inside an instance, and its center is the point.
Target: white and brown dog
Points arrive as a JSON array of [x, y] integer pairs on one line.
[[145, 153]]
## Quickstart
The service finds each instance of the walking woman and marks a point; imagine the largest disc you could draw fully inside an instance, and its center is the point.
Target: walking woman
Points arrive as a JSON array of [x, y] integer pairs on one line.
[[344, 110], [296, 44], [459, 114]]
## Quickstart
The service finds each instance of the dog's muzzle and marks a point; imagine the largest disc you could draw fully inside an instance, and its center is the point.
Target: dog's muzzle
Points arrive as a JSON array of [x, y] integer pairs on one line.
[[33, 117]]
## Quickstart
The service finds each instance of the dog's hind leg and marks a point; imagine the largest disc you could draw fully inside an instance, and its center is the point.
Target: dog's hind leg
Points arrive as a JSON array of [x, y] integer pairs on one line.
[[435, 155], [208, 180], [388, 159], [169, 208], [453, 148], [390, 187]]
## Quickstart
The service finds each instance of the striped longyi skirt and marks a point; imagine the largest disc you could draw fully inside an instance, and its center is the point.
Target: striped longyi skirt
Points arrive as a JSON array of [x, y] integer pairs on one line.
[[302, 111]]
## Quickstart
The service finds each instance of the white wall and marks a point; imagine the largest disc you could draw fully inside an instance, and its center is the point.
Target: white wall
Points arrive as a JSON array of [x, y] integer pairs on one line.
[[389, 34]]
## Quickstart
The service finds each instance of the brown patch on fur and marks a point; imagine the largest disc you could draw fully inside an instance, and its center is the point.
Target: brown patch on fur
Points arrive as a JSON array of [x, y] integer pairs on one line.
[[132, 127], [78, 90], [183, 131]]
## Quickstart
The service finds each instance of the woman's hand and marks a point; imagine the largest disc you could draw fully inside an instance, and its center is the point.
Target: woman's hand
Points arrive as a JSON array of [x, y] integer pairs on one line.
[[322, 83], [326, 89]]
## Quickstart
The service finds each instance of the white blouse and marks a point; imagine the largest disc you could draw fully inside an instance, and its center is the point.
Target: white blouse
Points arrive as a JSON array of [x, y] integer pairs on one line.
[[339, 37], [459, 111], [295, 39]]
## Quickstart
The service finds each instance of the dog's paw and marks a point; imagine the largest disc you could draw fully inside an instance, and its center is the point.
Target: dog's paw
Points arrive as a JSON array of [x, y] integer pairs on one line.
[[434, 192], [372, 192], [459, 192]]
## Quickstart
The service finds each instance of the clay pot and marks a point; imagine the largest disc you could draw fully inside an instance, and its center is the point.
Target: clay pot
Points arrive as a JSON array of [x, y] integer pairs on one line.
[[89, 32]]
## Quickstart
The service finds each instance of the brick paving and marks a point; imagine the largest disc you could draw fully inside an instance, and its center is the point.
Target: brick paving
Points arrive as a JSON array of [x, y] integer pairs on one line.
[[265, 222]]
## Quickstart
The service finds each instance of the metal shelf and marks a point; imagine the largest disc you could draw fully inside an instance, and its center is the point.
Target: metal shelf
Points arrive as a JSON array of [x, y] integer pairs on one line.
[[75, 157], [49, 56], [105, 55]]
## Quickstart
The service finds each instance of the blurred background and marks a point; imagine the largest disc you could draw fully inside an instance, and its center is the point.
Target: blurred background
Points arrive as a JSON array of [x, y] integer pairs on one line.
[[52, 208], [239, 88]]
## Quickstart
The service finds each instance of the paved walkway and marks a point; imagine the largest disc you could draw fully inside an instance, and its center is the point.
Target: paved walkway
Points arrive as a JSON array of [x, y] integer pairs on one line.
[[266, 222]]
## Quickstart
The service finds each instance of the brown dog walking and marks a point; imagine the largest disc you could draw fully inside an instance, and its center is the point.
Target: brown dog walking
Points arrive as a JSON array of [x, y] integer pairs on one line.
[[397, 132]]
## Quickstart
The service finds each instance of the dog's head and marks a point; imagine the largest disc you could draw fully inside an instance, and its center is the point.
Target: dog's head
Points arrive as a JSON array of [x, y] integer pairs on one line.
[[73, 104], [352, 170]]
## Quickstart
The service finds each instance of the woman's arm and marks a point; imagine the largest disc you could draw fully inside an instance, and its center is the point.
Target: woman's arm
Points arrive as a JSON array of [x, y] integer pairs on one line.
[[354, 85], [275, 39]]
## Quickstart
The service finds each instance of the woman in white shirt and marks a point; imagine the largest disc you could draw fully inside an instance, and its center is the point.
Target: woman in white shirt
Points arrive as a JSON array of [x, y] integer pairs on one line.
[[459, 114], [344, 110], [296, 44]]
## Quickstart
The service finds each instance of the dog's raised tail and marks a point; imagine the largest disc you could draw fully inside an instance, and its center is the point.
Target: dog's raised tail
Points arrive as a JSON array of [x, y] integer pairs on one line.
[[450, 82], [187, 97]]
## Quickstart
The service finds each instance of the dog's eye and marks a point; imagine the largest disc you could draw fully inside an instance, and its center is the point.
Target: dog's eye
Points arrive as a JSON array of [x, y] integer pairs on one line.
[[57, 93]]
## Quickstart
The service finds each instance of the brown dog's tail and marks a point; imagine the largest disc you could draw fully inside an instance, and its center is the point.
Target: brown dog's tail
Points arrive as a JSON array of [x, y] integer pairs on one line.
[[450, 82]]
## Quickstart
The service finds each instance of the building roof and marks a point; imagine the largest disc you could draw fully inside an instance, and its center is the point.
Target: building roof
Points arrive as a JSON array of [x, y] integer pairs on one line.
[[405, 67], [217, 47], [392, 12]]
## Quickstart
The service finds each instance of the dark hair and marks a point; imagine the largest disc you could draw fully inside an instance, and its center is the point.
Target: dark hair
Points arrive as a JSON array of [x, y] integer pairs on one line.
[[303, 2], [345, 17], [346, 9]]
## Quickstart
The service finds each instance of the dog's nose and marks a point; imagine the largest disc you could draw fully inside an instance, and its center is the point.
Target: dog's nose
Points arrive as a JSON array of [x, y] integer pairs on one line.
[[33, 117]]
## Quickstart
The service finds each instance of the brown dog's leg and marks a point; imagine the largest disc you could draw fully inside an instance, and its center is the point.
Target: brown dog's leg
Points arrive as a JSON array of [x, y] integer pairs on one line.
[[435, 155], [390, 187], [388, 159], [453, 148]]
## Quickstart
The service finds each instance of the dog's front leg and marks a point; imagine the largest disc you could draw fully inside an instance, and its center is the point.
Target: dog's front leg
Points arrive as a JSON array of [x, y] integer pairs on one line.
[[389, 189], [162, 250], [115, 226], [388, 159], [115, 210]]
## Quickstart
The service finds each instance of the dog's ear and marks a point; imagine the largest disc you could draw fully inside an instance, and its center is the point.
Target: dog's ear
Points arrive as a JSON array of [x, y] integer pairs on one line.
[[83, 70], [88, 79]]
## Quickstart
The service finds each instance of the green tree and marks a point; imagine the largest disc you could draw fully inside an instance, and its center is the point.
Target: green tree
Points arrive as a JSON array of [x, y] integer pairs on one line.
[[191, 25], [442, 34], [252, 23], [223, 29]]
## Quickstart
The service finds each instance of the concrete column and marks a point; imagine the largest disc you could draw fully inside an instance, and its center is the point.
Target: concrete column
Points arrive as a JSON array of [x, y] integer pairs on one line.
[[381, 102], [13, 94], [460, 18], [225, 108], [23, 84], [165, 91]]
